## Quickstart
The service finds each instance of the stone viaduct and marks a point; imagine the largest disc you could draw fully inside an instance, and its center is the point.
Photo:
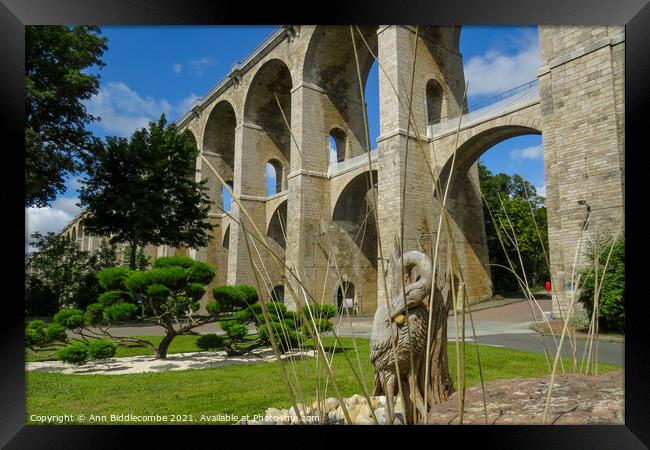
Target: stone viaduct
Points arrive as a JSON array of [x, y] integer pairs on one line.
[[299, 89]]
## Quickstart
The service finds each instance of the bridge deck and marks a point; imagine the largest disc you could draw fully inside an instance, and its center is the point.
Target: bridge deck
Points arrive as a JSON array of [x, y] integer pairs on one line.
[[516, 99]]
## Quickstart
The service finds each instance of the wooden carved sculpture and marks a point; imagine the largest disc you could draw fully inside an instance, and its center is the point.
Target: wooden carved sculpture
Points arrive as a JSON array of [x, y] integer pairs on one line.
[[399, 333]]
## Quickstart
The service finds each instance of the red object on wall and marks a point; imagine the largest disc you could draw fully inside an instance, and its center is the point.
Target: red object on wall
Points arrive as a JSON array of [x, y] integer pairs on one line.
[[548, 286]]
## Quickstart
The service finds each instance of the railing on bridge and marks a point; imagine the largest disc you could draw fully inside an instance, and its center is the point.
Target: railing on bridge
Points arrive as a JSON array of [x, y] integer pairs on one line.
[[336, 168], [510, 100]]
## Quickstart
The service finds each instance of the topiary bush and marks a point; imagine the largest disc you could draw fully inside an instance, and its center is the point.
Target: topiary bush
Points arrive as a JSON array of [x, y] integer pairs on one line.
[[35, 334], [74, 353], [234, 330], [612, 293], [101, 349], [70, 318], [55, 332], [210, 342]]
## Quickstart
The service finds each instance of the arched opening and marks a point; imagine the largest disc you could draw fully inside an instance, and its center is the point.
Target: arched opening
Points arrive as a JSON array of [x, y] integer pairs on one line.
[[219, 149], [508, 181], [277, 293], [226, 238], [353, 213], [336, 145], [74, 234], [345, 296], [268, 105], [278, 225], [330, 65], [274, 177], [226, 197], [435, 96]]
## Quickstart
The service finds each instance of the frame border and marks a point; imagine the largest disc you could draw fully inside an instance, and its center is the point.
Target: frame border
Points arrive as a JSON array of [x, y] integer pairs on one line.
[[634, 14]]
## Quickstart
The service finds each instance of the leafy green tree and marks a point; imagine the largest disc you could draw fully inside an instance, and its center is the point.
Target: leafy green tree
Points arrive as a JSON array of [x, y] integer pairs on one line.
[[611, 310], [57, 59], [519, 212], [171, 292], [143, 191], [58, 274]]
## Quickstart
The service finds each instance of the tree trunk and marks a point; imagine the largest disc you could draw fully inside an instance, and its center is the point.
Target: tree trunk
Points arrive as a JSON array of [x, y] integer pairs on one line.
[[132, 256], [161, 351]]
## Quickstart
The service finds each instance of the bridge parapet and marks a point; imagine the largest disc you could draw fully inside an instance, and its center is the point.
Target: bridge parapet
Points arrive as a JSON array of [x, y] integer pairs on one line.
[[506, 103], [339, 168]]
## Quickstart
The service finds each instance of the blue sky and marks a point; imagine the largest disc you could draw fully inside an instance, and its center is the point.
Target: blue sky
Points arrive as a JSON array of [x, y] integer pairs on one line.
[[154, 69]]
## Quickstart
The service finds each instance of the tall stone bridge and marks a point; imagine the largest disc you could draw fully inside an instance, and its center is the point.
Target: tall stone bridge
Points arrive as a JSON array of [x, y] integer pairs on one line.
[[299, 89]]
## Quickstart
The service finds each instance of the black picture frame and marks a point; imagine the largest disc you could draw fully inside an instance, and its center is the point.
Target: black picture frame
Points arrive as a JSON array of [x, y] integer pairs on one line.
[[15, 14]]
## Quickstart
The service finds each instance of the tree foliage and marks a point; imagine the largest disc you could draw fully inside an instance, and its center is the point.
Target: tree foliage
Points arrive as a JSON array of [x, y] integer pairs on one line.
[[58, 274], [611, 311], [142, 191], [57, 59], [511, 200]]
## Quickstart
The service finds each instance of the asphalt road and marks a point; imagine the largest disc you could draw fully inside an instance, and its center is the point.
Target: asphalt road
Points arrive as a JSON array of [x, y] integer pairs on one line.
[[609, 352]]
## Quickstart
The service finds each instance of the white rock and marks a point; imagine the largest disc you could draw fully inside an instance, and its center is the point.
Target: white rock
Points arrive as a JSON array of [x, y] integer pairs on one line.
[[380, 413], [331, 404]]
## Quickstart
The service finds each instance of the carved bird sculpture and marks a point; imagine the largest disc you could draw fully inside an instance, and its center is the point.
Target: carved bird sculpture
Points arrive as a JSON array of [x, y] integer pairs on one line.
[[399, 333]]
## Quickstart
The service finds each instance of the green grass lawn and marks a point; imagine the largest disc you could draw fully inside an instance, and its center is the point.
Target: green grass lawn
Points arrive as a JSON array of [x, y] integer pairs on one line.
[[236, 389]]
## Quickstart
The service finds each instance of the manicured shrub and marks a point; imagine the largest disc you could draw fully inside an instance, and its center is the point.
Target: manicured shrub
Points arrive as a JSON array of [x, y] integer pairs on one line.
[[70, 318], [285, 337], [55, 332], [101, 349], [210, 342], [112, 278], [95, 313], [234, 330], [110, 297], [172, 261], [35, 334], [229, 298], [326, 311], [74, 353], [120, 311]]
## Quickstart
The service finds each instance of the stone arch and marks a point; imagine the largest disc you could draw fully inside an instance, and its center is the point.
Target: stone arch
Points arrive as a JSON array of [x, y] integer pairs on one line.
[[277, 168], [74, 234], [435, 95], [475, 143], [353, 213], [271, 84], [338, 143], [464, 201], [225, 198], [277, 227], [345, 290], [226, 239], [219, 147], [277, 293], [330, 69]]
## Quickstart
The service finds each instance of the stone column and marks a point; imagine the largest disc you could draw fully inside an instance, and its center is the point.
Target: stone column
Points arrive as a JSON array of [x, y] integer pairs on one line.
[[582, 103], [249, 181]]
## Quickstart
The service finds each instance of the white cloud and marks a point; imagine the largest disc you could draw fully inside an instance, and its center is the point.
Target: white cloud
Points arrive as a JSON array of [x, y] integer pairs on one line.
[[122, 110], [52, 218], [541, 190], [532, 153], [178, 67], [497, 71], [197, 65]]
